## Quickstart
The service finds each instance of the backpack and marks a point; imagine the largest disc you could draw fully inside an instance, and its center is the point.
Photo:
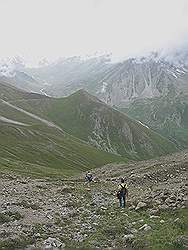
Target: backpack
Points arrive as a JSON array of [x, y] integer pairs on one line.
[[118, 194], [122, 192], [89, 177]]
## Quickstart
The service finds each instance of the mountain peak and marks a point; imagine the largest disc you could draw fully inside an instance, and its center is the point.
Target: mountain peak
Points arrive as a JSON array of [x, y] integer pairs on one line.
[[84, 95]]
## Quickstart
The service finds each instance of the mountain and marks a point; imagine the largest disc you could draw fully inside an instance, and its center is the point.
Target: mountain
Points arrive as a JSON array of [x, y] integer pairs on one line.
[[11, 93], [116, 83], [167, 115], [123, 84], [12, 72], [88, 118], [140, 86], [34, 145], [23, 81], [68, 75], [146, 78]]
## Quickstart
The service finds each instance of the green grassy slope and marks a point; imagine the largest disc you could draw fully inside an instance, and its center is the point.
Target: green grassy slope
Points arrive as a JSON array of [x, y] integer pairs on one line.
[[43, 150], [36, 148], [9, 92], [89, 119]]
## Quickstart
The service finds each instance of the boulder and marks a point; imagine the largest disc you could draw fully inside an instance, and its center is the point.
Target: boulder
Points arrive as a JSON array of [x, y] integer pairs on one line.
[[158, 202], [153, 211], [141, 205], [128, 237], [169, 200], [163, 207], [133, 230], [154, 217], [177, 219], [52, 243], [145, 227]]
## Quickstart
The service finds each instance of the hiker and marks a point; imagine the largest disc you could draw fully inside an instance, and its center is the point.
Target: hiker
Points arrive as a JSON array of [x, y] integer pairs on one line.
[[122, 193], [89, 177]]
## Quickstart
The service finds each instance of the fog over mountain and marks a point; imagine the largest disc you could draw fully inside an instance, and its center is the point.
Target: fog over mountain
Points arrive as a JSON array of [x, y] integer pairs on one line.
[[125, 28]]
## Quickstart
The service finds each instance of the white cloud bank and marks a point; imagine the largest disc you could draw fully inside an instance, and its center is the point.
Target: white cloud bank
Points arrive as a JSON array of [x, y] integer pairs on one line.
[[53, 28]]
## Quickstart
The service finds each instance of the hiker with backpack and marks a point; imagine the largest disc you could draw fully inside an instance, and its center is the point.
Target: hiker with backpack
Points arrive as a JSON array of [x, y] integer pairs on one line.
[[89, 177], [122, 193]]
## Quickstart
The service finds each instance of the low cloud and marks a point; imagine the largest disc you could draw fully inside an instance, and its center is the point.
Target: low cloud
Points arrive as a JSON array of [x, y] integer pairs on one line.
[[8, 66], [51, 29]]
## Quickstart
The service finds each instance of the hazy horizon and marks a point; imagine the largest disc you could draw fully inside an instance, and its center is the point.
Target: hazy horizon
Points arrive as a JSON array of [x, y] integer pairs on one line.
[[37, 29]]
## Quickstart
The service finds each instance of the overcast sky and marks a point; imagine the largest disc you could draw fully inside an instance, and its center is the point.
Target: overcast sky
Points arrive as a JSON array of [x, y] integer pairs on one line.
[[56, 28]]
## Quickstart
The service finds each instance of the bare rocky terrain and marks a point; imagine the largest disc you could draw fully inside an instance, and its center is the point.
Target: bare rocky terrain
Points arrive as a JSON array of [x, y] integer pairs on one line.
[[67, 214]]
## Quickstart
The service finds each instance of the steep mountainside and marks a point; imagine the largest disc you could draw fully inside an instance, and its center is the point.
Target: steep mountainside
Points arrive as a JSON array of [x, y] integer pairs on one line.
[[114, 83], [34, 145], [147, 78], [166, 115], [86, 117]]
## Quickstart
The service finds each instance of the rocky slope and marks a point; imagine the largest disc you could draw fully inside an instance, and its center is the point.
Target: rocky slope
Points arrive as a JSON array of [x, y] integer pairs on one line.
[[41, 213], [146, 78]]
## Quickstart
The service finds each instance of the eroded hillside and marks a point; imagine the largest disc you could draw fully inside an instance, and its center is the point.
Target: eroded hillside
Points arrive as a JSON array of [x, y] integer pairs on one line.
[[166, 115]]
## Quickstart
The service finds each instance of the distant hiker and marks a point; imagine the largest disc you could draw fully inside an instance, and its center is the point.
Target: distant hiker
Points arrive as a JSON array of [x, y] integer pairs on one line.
[[122, 193], [89, 177]]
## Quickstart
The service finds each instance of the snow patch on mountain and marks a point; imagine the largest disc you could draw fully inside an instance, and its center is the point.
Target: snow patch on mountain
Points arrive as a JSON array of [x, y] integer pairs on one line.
[[104, 87], [143, 124], [42, 91]]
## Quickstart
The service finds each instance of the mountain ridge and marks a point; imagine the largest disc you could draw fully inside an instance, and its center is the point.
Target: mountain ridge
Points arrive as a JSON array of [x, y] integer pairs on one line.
[[115, 83], [88, 118]]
